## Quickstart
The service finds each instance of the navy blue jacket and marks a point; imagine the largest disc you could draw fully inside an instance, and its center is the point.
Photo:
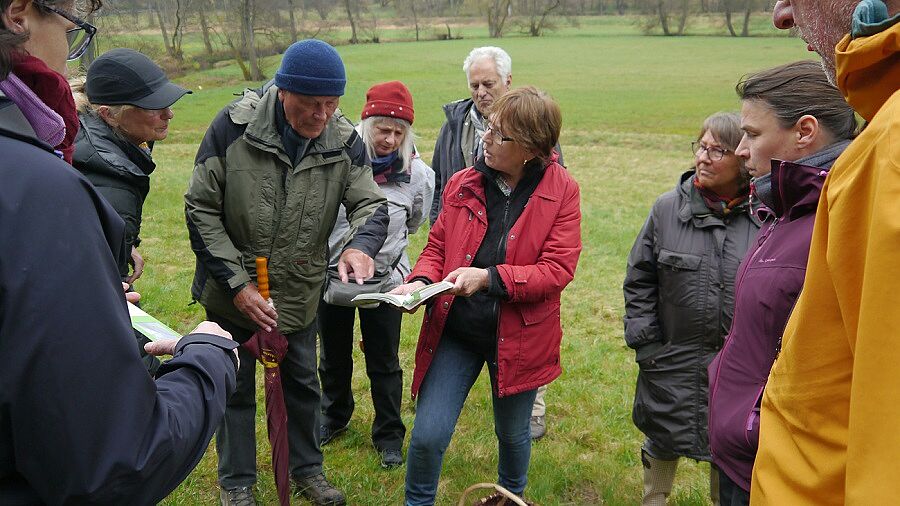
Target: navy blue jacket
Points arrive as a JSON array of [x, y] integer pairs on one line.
[[81, 421]]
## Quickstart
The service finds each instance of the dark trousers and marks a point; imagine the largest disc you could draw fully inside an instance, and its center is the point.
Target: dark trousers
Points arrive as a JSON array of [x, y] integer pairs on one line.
[[730, 493], [380, 329], [236, 437]]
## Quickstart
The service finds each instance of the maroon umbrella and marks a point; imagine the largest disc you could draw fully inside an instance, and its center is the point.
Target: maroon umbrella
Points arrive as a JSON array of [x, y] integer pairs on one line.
[[270, 348]]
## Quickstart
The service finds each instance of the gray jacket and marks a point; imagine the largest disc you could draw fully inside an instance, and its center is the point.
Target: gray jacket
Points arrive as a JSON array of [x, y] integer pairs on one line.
[[407, 205], [679, 300]]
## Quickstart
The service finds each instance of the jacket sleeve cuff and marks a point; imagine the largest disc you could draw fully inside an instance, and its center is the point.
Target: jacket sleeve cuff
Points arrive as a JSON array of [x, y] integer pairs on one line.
[[419, 278], [226, 345], [496, 287], [237, 283]]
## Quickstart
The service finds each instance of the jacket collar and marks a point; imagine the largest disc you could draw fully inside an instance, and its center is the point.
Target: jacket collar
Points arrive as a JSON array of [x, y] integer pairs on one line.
[[260, 115], [473, 181], [12, 119], [867, 69], [113, 153], [457, 111], [693, 206], [796, 188]]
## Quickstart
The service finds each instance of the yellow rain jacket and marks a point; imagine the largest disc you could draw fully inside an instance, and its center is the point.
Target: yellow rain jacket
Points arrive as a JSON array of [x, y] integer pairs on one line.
[[830, 428]]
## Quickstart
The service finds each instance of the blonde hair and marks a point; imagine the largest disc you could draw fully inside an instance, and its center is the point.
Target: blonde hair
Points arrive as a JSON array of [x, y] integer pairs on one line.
[[531, 117], [84, 105], [366, 130]]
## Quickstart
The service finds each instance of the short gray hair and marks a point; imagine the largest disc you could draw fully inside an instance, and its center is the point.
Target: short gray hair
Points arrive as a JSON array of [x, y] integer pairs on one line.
[[366, 130], [501, 60]]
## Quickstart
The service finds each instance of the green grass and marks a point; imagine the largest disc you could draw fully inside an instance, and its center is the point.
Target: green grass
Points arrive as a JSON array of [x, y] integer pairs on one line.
[[630, 104]]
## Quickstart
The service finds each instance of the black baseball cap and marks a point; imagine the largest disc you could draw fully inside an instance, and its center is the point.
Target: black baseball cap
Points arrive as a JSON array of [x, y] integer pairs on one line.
[[125, 76]]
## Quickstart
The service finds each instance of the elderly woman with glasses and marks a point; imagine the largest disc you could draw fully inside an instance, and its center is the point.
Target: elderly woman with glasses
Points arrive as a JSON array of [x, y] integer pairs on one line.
[[82, 421], [679, 300], [508, 238]]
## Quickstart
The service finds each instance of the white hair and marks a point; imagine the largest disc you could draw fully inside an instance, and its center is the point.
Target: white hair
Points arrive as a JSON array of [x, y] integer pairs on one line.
[[501, 60], [366, 130]]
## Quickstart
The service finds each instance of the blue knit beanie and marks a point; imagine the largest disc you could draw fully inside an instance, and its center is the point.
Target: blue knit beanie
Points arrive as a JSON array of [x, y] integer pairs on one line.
[[312, 67]]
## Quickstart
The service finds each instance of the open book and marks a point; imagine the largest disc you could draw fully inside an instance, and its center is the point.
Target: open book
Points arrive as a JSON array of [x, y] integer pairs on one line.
[[408, 301], [150, 326]]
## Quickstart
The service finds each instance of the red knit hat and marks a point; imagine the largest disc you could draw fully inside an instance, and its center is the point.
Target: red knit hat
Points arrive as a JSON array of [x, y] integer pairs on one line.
[[389, 99]]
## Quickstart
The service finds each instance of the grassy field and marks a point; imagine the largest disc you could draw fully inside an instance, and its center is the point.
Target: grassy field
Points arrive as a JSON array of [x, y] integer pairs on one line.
[[631, 105]]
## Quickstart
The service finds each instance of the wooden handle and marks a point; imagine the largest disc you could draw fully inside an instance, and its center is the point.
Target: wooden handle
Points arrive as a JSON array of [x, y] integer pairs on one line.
[[262, 276]]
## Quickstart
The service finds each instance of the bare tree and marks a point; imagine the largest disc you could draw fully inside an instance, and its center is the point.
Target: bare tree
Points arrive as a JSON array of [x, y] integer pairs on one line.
[[248, 18], [292, 20], [729, 6], [158, 7], [498, 11], [539, 14], [352, 8], [201, 6], [669, 15]]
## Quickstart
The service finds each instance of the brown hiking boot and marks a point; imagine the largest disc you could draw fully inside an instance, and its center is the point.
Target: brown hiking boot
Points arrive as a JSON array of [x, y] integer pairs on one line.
[[319, 491]]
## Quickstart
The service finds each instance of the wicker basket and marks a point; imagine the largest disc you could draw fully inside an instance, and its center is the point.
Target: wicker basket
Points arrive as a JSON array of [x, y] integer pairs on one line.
[[513, 498]]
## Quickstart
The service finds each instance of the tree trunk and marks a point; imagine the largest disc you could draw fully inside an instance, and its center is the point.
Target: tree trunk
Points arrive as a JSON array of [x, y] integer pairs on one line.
[[745, 31], [162, 28], [353, 37], [292, 20], [728, 19], [682, 21], [498, 11], [412, 5], [204, 29], [249, 15], [663, 16]]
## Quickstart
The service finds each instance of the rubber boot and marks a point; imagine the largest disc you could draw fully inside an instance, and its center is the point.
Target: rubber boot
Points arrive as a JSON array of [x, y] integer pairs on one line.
[[659, 475]]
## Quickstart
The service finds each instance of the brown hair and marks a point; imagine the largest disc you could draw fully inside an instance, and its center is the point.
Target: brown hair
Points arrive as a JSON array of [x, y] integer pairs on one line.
[[10, 41], [725, 128], [531, 117], [797, 89]]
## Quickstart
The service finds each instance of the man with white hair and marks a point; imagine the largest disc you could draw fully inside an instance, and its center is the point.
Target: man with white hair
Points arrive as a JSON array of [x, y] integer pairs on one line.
[[828, 432], [489, 73]]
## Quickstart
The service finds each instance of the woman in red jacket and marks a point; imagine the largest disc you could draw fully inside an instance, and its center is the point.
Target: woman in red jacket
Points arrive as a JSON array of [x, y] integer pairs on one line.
[[509, 238]]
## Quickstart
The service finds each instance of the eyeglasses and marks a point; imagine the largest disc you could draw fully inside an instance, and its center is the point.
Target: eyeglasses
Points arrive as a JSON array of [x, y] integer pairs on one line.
[[79, 37], [715, 154], [497, 136]]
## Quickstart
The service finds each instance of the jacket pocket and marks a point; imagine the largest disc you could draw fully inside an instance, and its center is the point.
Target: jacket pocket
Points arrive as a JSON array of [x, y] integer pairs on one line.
[[752, 427], [678, 277]]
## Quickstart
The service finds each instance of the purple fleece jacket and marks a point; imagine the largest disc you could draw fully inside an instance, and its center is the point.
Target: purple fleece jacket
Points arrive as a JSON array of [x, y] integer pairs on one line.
[[768, 283]]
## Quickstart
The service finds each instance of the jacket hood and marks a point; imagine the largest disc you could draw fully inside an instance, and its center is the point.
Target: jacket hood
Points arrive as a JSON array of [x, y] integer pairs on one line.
[[260, 116], [867, 69], [100, 149], [456, 111], [692, 204]]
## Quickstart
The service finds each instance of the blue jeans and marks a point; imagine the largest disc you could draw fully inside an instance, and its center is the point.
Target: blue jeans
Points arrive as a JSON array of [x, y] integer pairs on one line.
[[452, 373]]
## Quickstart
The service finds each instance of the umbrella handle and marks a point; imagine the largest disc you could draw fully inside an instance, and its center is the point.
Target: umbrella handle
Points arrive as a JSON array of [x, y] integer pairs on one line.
[[262, 276]]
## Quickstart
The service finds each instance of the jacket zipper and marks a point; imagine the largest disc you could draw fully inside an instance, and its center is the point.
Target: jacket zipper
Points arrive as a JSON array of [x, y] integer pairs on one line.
[[714, 388], [501, 246]]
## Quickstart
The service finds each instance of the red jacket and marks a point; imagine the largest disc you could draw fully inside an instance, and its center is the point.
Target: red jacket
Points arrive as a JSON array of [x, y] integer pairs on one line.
[[541, 254]]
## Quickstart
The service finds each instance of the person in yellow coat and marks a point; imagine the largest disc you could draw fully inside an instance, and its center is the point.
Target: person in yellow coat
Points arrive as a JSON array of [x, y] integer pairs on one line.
[[829, 431]]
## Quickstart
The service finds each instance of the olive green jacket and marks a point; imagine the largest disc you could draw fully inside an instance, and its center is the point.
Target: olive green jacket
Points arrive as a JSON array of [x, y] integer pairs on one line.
[[246, 199]]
